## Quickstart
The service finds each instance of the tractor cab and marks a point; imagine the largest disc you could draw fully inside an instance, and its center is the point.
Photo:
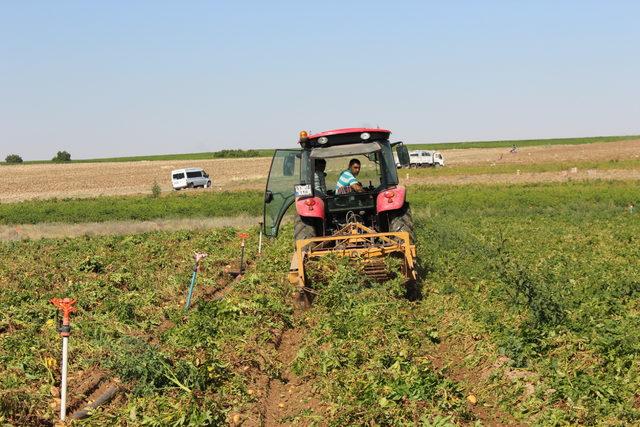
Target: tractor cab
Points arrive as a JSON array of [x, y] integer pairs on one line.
[[309, 177]]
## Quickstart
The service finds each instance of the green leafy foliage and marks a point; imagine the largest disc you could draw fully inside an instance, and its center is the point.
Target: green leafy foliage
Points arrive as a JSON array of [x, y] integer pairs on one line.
[[177, 369], [62, 156], [13, 159], [549, 272], [233, 154], [521, 143], [155, 190], [530, 303], [367, 348], [102, 209]]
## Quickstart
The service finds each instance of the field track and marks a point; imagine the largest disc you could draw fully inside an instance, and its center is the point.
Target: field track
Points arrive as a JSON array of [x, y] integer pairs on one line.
[[59, 230], [44, 181]]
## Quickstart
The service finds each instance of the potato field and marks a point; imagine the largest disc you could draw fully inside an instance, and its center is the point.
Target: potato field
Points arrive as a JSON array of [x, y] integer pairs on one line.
[[529, 315]]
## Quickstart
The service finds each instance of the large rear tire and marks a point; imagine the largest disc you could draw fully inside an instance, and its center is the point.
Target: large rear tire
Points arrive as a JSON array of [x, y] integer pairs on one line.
[[303, 228], [401, 220]]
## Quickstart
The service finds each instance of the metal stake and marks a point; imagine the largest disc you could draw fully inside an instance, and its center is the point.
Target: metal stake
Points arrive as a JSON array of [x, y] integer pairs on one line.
[[243, 236], [260, 241], [63, 381], [242, 257], [66, 305]]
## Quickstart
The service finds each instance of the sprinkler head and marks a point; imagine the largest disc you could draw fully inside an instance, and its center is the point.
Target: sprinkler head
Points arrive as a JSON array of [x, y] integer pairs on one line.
[[199, 256], [66, 306]]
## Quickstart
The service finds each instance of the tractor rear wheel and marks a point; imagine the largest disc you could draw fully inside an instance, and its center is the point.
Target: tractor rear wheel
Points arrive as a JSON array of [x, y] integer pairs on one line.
[[401, 220], [303, 228]]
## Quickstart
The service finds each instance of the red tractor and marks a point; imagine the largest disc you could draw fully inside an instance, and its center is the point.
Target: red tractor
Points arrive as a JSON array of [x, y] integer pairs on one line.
[[348, 199]]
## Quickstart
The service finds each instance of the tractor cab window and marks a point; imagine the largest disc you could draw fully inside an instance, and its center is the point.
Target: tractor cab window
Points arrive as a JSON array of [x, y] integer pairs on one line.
[[369, 172]]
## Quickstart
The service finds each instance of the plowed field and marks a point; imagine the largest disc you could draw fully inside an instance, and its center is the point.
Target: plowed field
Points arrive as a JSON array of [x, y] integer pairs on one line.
[[45, 181]]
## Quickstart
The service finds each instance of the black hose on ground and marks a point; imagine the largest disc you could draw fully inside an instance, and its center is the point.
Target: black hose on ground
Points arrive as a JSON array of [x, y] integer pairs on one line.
[[100, 400]]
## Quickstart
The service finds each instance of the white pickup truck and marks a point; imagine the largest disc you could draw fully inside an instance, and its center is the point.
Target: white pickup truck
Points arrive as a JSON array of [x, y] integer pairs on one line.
[[422, 158]]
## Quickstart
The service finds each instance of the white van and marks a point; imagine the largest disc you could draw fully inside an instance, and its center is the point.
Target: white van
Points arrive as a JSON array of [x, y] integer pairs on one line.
[[190, 178], [419, 158]]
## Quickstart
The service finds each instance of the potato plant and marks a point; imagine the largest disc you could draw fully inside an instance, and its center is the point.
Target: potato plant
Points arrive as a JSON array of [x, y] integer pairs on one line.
[[529, 315]]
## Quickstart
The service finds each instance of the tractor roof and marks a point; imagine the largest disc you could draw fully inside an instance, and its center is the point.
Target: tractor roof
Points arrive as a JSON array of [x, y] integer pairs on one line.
[[344, 136], [349, 130]]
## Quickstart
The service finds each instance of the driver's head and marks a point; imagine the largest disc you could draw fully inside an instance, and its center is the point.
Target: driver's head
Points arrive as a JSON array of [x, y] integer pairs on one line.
[[354, 166]]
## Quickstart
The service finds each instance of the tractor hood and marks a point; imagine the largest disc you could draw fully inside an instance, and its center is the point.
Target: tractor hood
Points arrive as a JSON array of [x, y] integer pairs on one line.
[[345, 150]]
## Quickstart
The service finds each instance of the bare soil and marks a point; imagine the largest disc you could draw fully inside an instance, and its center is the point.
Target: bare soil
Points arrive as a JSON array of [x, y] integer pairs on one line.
[[474, 378], [43, 181], [601, 151], [289, 396], [59, 230], [527, 177]]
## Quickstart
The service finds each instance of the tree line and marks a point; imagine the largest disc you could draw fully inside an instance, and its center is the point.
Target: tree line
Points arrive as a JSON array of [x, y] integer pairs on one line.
[[61, 156]]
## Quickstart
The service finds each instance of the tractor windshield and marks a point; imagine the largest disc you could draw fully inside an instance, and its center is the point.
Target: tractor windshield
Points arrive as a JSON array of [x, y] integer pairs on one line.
[[377, 166]]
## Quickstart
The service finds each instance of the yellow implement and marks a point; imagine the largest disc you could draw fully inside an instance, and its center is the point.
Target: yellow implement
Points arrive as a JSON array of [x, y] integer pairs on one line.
[[356, 241]]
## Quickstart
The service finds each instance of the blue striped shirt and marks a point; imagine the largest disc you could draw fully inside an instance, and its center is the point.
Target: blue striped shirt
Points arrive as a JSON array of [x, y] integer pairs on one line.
[[345, 181]]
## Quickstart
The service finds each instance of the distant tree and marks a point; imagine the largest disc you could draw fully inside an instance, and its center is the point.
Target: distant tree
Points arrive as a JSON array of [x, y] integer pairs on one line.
[[13, 158], [62, 156]]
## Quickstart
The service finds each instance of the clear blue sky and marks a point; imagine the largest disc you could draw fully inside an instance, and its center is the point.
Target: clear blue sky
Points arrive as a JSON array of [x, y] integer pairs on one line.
[[118, 78]]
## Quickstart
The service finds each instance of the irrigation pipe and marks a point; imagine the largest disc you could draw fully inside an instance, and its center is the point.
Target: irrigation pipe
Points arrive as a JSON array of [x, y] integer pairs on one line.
[[198, 257], [66, 306], [100, 400]]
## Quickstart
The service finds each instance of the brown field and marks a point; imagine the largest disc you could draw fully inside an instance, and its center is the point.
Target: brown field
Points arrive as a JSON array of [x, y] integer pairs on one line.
[[602, 151], [43, 181]]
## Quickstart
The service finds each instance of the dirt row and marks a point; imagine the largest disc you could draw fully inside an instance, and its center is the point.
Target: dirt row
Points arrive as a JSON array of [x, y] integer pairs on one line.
[[108, 228], [44, 181]]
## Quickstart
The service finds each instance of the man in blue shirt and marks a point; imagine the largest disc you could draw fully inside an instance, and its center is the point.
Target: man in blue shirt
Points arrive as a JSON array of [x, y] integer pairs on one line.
[[347, 181]]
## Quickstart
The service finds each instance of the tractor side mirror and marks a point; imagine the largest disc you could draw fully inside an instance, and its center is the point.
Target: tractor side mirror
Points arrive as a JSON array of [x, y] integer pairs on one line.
[[403, 155], [268, 196], [288, 167]]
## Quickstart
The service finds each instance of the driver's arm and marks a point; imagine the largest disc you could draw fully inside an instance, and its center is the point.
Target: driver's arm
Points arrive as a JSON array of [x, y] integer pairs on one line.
[[356, 186]]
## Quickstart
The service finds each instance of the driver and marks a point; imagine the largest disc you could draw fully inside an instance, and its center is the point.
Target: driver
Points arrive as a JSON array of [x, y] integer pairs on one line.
[[347, 181]]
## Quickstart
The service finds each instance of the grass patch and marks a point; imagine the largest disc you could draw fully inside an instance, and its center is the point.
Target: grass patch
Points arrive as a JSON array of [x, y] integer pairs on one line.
[[520, 142], [628, 164], [113, 208]]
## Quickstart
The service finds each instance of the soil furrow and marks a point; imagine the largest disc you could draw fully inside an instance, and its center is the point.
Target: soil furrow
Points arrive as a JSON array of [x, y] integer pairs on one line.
[[289, 398]]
